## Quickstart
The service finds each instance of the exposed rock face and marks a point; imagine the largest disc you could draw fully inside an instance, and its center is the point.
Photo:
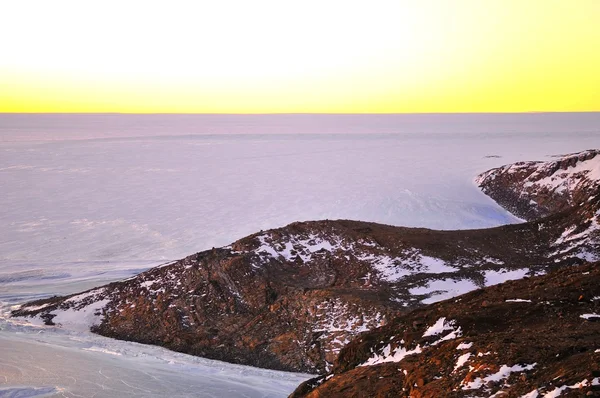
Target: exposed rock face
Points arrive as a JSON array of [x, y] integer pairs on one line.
[[531, 190], [291, 298], [534, 336], [565, 191]]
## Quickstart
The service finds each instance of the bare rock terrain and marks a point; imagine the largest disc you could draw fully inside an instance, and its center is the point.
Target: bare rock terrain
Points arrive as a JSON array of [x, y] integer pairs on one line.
[[535, 189], [535, 337]]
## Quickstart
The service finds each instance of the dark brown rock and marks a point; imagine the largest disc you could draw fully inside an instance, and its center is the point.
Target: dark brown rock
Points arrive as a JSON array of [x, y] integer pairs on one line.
[[543, 351], [535, 189]]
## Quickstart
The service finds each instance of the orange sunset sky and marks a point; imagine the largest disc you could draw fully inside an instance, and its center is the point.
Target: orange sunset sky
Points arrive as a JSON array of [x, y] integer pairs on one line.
[[300, 56]]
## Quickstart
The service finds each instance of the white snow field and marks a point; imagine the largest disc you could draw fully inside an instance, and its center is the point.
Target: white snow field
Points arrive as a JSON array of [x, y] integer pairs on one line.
[[88, 199]]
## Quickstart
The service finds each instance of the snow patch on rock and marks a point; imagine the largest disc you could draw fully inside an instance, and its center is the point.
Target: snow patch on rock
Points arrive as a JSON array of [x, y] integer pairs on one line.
[[464, 346], [443, 289], [589, 316], [439, 327], [461, 361], [387, 355], [79, 312], [500, 276], [296, 246], [559, 390], [503, 373]]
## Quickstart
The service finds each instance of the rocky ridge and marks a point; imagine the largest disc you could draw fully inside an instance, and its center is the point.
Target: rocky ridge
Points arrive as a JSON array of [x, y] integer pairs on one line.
[[291, 298], [564, 192], [535, 337], [536, 189]]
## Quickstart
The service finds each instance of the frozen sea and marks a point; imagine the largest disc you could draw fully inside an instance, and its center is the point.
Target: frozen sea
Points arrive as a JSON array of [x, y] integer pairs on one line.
[[88, 199]]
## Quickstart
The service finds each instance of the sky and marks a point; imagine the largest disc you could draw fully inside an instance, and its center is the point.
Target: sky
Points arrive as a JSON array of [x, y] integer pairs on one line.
[[324, 56]]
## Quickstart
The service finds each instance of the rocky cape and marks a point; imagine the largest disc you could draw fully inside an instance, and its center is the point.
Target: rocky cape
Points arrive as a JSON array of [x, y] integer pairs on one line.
[[535, 189], [292, 298]]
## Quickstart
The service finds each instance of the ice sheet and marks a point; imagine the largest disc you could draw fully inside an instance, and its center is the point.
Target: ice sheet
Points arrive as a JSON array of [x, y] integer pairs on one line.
[[161, 198], [65, 363]]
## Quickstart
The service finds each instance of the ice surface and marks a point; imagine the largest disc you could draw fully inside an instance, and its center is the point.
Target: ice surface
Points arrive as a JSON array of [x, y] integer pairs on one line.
[[184, 188], [66, 363], [27, 392], [89, 199]]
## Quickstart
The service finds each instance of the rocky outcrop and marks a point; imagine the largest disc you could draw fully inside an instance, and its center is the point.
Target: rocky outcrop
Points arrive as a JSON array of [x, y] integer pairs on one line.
[[531, 190], [524, 338], [563, 194], [292, 298]]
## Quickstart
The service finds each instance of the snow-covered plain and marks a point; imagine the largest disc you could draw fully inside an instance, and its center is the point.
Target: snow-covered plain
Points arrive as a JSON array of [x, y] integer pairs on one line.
[[88, 199]]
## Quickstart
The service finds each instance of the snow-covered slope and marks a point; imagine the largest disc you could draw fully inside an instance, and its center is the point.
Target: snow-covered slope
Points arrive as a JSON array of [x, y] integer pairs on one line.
[[46, 361]]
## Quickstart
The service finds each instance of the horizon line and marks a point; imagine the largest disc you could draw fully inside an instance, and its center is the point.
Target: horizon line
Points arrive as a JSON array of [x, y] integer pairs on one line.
[[295, 113]]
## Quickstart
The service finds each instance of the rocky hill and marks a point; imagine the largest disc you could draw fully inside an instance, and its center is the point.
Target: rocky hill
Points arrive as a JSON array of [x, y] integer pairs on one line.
[[565, 191], [535, 337], [535, 189], [291, 298]]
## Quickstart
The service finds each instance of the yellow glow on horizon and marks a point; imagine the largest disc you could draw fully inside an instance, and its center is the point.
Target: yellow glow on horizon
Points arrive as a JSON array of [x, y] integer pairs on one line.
[[310, 56]]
